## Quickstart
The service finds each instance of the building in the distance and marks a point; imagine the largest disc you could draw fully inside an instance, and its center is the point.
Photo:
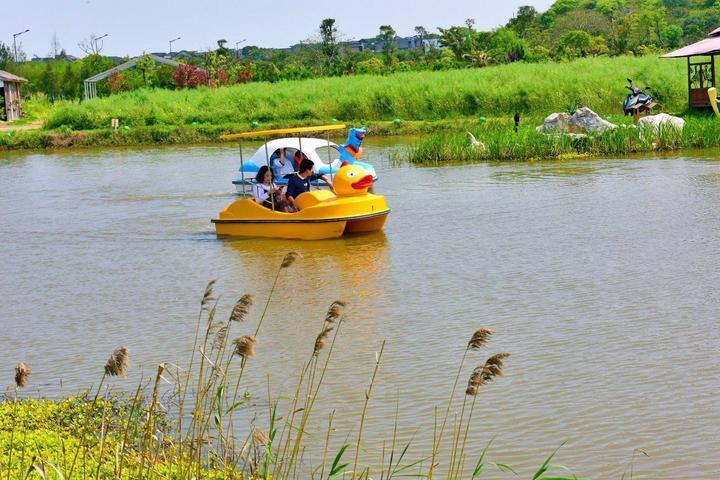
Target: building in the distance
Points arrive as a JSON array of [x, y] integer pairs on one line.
[[11, 108]]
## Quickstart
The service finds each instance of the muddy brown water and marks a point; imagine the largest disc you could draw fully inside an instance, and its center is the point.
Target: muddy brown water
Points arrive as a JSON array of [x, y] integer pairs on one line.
[[599, 276]]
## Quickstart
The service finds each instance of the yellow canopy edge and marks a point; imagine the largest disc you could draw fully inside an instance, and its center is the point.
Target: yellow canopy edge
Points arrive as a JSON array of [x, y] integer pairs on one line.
[[278, 131]]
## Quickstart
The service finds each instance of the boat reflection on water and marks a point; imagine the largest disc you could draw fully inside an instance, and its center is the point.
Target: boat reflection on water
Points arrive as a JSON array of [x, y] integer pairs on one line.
[[350, 266]]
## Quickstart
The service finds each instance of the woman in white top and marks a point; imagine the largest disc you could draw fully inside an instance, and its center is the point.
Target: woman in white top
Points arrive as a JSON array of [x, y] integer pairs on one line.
[[266, 192]]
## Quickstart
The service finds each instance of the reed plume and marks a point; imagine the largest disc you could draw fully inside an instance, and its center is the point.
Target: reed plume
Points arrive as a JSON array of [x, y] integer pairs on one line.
[[259, 437], [242, 308], [289, 259], [320, 340], [337, 308], [480, 338], [22, 372], [208, 298], [117, 364], [484, 374], [244, 346]]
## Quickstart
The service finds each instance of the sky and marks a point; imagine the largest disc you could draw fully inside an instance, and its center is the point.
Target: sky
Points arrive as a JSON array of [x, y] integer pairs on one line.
[[137, 26]]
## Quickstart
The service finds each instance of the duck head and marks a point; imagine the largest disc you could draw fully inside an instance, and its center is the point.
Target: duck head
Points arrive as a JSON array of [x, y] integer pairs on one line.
[[351, 181]]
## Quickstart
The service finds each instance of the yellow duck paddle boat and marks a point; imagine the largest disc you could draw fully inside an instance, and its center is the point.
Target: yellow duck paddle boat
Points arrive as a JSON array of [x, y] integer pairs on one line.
[[323, 214]]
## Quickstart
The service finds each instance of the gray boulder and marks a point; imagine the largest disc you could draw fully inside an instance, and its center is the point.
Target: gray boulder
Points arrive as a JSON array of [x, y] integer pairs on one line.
[[583, 121], [661, 120], [556, 123], [588, 121]]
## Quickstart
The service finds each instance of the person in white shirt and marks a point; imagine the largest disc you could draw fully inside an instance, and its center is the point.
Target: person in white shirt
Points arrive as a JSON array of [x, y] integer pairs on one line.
[[267, 193], [283, 163]]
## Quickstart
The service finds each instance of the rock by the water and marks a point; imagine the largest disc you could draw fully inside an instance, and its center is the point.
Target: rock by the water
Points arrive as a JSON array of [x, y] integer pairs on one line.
[[555, 123], [655, 122], [583, 121], [590, 122]]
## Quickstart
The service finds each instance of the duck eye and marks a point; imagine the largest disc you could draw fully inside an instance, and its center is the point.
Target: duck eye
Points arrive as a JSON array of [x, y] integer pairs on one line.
[[351, 174]]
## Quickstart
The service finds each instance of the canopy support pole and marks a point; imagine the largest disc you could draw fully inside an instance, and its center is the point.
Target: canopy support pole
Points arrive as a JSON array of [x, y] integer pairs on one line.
[[242, 168]]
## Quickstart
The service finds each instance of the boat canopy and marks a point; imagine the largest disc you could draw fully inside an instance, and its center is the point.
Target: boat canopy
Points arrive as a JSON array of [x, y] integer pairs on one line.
[[282, 131], [309, 147]]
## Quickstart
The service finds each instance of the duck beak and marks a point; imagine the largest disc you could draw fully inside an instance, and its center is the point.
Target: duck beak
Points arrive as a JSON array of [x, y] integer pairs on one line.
[[365, 182]]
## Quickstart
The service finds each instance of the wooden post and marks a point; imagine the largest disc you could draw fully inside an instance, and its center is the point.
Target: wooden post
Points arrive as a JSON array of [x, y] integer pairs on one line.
[[689, 79]]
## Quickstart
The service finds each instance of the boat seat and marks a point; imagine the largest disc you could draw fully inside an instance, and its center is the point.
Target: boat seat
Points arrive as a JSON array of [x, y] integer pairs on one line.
[[312, 198]]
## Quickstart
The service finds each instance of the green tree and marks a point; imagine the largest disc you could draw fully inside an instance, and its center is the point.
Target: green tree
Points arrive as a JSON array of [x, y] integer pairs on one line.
[[422, 34], [387, 35], [507, 46], [459, 40], [523, 20], [6, 56], [329, 42], [575, 44], [49, 83], [672, 35], [145, 66], [222, 49]]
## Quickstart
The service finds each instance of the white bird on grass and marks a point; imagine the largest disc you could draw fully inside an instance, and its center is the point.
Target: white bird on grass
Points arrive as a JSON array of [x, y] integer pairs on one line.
[[475, 142]]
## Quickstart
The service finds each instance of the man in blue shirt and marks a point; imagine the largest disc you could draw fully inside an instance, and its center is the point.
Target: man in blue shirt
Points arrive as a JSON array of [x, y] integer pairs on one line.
[[300, 181]]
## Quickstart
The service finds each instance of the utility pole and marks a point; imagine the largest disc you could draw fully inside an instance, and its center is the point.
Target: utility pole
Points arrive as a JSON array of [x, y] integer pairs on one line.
[[15, 35], [237, 47], [171, 42], [95, 40]]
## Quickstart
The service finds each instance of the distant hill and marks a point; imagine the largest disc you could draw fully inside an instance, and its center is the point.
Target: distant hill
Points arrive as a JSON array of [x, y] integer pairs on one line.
[[616, 26]]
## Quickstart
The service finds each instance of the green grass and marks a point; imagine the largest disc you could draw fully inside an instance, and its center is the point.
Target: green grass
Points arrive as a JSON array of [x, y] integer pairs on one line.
[[532, 89], [503, 144]]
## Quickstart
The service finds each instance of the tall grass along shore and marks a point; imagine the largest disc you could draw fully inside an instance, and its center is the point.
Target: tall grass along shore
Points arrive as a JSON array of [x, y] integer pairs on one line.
[[191, 428]]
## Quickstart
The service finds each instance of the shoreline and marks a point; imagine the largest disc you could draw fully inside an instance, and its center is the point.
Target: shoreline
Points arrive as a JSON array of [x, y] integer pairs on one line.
[[442, 142]]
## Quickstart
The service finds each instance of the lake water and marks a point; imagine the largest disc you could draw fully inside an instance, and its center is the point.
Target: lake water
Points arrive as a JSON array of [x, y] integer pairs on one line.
[[599, 276]]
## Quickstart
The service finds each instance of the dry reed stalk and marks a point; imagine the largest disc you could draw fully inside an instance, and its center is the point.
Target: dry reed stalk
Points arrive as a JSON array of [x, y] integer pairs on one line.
[[310, 400], [22, 372], [327, 444], [148, 438], [260, 438], [208, 298], [480, 376], [320, 340], [244, 346], [478, 339], [289, 259], [117, 364], [368, 394], [242, 308]]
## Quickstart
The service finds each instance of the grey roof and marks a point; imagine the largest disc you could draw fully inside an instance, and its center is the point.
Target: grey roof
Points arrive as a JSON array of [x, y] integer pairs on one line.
[[9, 77], [130, 64]]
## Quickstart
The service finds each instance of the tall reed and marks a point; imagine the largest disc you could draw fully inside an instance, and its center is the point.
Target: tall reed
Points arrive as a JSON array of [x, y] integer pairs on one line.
[[147, 438]]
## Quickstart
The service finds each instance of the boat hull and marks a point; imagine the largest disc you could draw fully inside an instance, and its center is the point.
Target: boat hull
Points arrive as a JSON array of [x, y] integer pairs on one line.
[[322, 216]]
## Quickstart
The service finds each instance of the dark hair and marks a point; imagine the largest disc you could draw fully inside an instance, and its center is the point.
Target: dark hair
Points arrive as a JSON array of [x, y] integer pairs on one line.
[[306, 164], [261, 174]]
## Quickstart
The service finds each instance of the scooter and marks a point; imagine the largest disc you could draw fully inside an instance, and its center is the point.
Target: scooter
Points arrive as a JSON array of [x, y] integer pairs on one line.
[[637, 101]]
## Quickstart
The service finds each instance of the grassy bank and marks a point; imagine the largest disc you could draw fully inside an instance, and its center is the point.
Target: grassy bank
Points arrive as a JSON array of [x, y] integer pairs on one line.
[[184, 422], [444, 104], [532, 89], [503, 144]]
